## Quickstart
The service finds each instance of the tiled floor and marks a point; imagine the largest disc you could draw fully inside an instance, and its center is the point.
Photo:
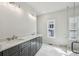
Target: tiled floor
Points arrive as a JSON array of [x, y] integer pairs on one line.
[[49, 50]]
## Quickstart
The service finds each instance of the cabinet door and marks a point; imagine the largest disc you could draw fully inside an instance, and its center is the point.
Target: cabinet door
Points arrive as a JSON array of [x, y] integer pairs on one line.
[[33, 47], [25, 49], [39, 43], [11, 51], [0, 53]]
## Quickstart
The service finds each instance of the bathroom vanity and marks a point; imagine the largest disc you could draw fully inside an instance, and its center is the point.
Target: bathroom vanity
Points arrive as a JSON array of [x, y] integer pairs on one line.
[[27, 46]]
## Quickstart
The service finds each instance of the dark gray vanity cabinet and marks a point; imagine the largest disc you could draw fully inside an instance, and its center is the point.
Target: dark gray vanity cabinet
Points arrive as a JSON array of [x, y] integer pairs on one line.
[[14, 51], [28, 48]]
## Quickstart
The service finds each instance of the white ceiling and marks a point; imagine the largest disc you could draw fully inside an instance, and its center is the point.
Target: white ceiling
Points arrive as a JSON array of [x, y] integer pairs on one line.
[[45, 7]]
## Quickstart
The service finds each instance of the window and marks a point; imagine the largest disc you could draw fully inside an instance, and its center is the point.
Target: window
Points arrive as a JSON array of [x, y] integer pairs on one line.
[[51, 28]]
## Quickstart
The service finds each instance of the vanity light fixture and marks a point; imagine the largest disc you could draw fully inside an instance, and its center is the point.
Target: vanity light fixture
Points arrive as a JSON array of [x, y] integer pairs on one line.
[[14, 4]]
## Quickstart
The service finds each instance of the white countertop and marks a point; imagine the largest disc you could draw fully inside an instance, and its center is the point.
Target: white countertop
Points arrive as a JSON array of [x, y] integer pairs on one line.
[[8, 44]]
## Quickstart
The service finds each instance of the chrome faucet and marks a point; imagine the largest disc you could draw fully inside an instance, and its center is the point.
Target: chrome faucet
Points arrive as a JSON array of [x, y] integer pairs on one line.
[[12, 38]]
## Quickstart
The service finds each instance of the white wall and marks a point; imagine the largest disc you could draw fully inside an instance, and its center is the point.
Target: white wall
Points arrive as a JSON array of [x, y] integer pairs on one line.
[[16, 22], [60, 18], [61, 26]]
